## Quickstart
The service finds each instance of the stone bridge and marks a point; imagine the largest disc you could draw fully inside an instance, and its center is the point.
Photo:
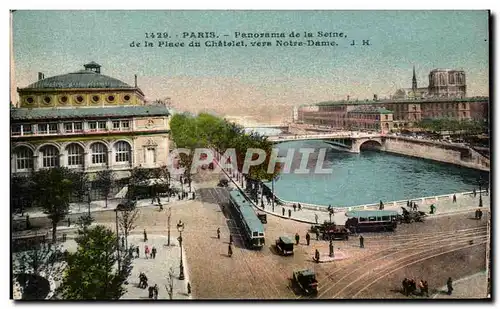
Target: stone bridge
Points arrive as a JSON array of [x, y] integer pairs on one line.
[[348, 141], [458, 154]]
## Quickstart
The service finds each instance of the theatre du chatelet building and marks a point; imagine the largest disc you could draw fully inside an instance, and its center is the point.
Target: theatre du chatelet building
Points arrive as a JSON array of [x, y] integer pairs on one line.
[[88, 122]]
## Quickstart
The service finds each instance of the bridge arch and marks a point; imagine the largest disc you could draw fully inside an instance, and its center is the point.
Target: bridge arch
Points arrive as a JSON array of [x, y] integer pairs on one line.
[[368, 143]]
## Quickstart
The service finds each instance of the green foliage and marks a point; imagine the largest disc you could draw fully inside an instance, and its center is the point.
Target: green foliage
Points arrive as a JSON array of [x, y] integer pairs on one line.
[[21, 192], [92, 272], [104, 181], [464, 127], [52, 189], [208, 131]]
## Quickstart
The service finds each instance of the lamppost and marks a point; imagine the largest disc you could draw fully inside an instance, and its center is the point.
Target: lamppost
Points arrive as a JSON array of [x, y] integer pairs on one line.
[[89, 189], [480, 196], [180, 228], [330, 212], [169, 214], [272, 193], [118, 240]]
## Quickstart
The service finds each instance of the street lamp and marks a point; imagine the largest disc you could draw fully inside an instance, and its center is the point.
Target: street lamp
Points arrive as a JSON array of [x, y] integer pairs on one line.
[[480, 196], [330, 212], [272, 193], [180, 228], [169, 214], [89, 189]]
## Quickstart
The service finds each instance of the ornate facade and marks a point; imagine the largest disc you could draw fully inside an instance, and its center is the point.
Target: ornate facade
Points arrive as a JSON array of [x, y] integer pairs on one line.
[[89, 122]]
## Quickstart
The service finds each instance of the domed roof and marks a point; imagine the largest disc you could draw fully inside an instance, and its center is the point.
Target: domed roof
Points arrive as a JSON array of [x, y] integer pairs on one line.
[[80, 79]]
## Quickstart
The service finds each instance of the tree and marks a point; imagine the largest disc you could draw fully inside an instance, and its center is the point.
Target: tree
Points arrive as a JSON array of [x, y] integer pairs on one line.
[[126, 221], [105, 180], [41, 261], [52, 192], [21, 193], [91, 273]]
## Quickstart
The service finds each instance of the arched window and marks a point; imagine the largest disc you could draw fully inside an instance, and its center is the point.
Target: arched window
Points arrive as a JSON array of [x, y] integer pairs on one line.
[[50, 156], [122, 152], [99, 153], [24, 158], [75, 155]]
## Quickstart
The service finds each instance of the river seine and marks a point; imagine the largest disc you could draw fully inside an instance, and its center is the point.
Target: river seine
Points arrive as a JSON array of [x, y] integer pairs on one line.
[[369, 177]]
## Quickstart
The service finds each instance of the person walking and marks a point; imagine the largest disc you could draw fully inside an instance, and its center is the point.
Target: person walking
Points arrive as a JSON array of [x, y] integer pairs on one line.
[[381, 206], [218, 233], [153, 252], [155, 291], [289, 213], [146, 251], [316, 255], [316, 218], [230, 239], [361, 241], [317, 234], [137, 251], [449, 285], [300, 207], [145, 236], [150, 292], [433, 208], [454, 198], [283, 211], [474, 192], [308, 238], [297, 238], [294, 207], [230, 251]]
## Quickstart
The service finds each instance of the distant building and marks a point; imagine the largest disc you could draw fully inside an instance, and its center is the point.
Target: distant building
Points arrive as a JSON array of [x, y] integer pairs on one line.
[[88, 122], [444, 98]]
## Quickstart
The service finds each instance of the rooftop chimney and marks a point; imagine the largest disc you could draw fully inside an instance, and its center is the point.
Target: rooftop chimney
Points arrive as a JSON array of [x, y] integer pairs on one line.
[[135, 77], [40, 76]]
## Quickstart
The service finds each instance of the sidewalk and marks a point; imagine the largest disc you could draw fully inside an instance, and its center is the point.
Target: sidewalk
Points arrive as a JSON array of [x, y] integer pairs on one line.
[[157, 270], [443, 207], [474, 286], [100, 205]]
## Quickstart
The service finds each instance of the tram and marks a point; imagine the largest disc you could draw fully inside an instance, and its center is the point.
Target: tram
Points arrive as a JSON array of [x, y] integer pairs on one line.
[[250, 225], [371, 220]]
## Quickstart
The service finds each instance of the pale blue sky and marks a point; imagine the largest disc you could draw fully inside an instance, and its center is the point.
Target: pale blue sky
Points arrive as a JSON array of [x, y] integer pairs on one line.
[[58, 42]]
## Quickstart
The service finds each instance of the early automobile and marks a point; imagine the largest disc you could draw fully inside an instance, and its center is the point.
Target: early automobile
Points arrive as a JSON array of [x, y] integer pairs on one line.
[[262, 217], [410, 216], [331, 230], [284, 245], [306, 281]]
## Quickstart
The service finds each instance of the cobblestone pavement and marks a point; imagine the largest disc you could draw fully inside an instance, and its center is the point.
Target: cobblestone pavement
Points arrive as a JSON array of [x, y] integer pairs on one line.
[[436, 249], [474, 286]]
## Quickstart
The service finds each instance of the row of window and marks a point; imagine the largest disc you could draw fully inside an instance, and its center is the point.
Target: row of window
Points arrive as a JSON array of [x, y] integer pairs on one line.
[[64, 99], [69, 127], [50, 155]]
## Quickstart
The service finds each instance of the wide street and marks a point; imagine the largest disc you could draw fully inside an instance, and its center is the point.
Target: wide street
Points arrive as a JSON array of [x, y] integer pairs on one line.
[[447, 246]]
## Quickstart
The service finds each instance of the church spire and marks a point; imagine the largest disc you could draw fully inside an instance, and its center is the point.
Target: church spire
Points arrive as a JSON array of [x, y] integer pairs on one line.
[[414, 82]]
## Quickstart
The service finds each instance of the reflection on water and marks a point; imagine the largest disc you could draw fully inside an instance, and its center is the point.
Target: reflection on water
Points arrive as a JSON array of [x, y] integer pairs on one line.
[[369, 177]]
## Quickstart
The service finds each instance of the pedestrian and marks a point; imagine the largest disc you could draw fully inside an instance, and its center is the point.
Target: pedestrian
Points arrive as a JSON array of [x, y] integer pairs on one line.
[[294, 207], [218, 233], [230, 251], [155, 291], [421, 287], [433, 208], [150, 290], [316, 218], [289, 213], [474, 192], [479, 214], [146, 251], [381, 206], [283, 211], [454, 198], [131, 251], [300, 207], [426, 288], [123, 241], [297, 238], [361, 241], [407, 205], [153, 200], [145, 236], [137, 251], [405, 286], [230, 239], [194, 196], [153, 252], [317, 234], [449, 285], [161, 205], [308, 238], [28, 223], [316, 255]]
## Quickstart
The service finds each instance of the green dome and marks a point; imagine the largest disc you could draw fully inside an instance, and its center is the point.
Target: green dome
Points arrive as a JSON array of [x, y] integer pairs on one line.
[[80, 79]]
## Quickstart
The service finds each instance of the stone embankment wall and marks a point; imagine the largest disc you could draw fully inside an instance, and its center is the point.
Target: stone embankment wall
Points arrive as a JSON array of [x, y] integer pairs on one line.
[[462, 156]]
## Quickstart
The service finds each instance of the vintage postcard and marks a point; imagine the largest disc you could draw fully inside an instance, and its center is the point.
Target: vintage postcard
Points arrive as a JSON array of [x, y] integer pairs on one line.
[[194, 155]]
